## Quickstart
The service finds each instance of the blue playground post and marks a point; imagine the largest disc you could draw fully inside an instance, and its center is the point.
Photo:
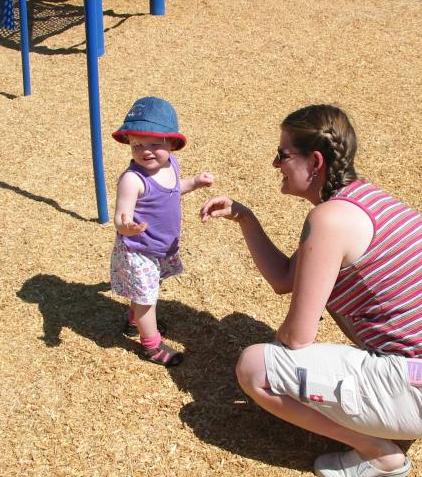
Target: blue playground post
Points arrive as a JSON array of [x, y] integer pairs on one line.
[[100, 28], [23, 20], [94, 28], [92, 13], [7, 21], [157, 7]]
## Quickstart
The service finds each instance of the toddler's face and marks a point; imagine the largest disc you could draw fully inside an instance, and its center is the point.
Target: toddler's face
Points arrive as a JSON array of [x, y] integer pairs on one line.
[[150, 152]]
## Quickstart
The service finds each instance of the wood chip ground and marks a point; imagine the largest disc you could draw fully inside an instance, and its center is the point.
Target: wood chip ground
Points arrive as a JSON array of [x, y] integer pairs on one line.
[[75, 399]]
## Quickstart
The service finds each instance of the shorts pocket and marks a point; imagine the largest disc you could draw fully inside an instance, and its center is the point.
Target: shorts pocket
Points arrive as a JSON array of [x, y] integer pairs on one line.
[[350, 399], [319, 390]]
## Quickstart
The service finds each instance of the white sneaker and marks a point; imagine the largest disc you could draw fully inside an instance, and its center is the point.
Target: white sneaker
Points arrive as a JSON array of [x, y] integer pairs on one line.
[[349, 464]]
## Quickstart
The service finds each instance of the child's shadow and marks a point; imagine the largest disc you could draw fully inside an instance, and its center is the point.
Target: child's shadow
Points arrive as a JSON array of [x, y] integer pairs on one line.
[[77, 306], [219, 413]]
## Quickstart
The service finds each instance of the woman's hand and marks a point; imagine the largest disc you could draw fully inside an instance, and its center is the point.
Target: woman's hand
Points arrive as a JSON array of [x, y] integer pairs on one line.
[[129, 228], [276, 267], [222, 206]]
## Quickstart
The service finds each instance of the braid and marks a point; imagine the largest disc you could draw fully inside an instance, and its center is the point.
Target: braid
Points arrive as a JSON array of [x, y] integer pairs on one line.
[[326, 129], [338, 171]]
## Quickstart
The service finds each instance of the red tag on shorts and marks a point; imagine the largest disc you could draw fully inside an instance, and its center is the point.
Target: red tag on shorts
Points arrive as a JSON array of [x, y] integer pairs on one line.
[[316, 397]]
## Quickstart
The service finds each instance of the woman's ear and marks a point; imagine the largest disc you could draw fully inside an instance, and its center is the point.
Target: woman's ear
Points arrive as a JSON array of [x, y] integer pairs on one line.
[[319, 162]]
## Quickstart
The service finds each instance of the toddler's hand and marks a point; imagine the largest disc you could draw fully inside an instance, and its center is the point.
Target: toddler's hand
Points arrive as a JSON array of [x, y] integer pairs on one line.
[[203, 179], [130, 228]]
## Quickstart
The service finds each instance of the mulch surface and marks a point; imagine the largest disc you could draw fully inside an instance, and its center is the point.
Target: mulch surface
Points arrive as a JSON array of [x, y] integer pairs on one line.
[[76, 399]]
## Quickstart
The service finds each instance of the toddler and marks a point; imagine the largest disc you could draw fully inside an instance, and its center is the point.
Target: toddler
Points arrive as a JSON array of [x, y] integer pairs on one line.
[[148, 218]]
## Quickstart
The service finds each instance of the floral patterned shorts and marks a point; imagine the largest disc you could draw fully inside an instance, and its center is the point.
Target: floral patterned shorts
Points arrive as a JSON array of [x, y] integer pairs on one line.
[[137, 277]]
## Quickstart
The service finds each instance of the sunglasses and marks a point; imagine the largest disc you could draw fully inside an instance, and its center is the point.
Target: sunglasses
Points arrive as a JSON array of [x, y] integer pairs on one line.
[[283, 156]]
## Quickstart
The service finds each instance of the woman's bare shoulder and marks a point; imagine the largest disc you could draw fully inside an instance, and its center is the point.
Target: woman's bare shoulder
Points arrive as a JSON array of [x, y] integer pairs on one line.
[[342, 221], [339, 213]]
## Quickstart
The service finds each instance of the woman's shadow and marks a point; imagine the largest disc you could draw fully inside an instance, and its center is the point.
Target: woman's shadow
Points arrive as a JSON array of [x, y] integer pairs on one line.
[[219, 413]]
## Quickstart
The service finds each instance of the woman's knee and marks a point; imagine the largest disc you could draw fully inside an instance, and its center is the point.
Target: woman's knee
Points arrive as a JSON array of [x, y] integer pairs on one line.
[[250, 368]]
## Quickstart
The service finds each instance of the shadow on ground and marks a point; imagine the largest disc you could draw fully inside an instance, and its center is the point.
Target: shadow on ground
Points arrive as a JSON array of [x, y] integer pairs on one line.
[[50, 18], [77, 306], [219, 414], [46, 200]]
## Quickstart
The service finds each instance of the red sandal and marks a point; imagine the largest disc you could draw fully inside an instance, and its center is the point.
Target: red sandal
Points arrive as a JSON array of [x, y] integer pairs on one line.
[[163, 355]]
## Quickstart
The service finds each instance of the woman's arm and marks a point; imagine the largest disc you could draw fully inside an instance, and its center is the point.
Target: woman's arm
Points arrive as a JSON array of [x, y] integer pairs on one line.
[[324, 243], [276, 267]]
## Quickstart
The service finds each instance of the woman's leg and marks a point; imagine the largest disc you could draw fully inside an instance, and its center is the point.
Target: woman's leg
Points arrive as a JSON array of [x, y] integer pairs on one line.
[[383, 454]]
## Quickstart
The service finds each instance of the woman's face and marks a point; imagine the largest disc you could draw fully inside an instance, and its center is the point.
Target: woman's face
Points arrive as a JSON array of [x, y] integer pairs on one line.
[[296, 169]]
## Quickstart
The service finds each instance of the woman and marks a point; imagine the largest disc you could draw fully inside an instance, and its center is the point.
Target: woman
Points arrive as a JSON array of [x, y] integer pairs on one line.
[[359, 255]]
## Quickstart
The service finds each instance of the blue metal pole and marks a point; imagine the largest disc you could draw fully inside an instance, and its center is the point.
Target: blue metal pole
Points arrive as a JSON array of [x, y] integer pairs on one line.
[[91, 7], [157, 7], [23, 20], [100, 28]]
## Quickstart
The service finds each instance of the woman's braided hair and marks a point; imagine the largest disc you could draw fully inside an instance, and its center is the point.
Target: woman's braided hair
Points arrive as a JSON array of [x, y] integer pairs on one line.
[[327, 129]]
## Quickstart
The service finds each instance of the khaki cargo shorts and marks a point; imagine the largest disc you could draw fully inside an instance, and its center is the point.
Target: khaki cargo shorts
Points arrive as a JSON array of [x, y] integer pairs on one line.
[[379, 395]]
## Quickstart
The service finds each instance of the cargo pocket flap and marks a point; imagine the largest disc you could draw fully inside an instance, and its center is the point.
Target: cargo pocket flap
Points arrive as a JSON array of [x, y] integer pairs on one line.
[[349, 397]]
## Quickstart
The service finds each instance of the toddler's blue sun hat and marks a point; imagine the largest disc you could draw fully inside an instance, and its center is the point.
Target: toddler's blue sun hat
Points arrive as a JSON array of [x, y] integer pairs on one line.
[[151, 116]]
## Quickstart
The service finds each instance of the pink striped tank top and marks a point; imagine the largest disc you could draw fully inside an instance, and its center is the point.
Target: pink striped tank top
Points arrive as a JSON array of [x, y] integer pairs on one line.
[[380, 294]]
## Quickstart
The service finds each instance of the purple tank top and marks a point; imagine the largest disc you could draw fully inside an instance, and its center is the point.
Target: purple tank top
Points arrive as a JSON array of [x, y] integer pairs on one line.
[[160, 208]]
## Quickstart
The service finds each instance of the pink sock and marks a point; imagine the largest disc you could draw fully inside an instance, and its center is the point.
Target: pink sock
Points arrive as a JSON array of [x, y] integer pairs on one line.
[[152, 341]]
